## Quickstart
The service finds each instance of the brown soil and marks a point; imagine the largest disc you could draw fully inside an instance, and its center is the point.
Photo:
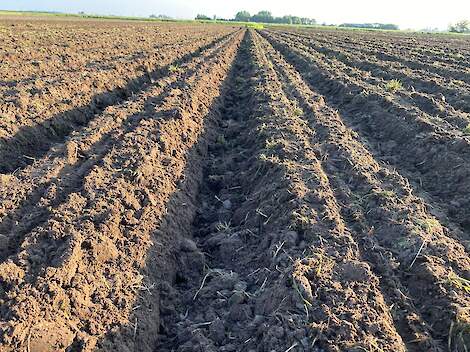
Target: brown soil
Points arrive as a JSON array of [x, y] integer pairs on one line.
[[79, 233], [63, 73], [439, 152], [248, 191]]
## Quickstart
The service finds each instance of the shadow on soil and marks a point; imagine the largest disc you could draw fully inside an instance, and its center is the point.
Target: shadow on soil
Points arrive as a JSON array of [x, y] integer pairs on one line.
[[31, 213], [31, 142], [165, 258]]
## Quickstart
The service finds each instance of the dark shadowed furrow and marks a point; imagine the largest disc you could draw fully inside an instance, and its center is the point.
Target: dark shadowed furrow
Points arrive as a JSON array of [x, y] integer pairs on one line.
[[282, 269]]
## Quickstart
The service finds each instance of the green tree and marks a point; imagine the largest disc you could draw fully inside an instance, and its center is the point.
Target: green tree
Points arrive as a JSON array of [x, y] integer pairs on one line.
[[263, 16], [296, 20], [243, 16], [202, 17], [308, 21], [286, 19], [460, 27]]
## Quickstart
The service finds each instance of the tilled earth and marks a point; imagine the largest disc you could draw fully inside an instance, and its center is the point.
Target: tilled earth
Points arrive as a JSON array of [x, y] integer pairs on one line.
[[248, 191]]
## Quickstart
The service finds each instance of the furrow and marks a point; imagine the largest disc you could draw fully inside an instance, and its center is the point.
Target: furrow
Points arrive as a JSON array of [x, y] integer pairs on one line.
[[443, 98], [282, 270], [27, 198], [428, 61], [386, 218], [437, 162], [80, 275], [433, 110], [33, 137]]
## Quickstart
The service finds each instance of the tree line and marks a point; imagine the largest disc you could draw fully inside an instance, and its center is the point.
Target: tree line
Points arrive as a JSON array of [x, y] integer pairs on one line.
[[388, 26], [460, 27], [267, 17], [264, 17]]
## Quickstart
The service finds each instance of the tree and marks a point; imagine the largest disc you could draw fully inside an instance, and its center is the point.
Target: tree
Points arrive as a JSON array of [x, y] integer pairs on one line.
[[243, 16], [160, 17], [267, 17], [296, 20], [391, 26], [202, 17], [284, 19], [263, 16], [460, 27], [387, 26], [308, 21]]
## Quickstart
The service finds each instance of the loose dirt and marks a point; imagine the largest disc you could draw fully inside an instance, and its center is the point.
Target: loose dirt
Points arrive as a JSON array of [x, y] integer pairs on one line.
[[192, 187]]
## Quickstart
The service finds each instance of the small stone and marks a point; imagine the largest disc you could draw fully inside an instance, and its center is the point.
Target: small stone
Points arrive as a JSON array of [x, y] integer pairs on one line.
[[460, 145], [199, 318], [216, 239], [3, 242], [300, 334], [229, 348], [259, 319], [238, 312], [188, 245], [226, 281], [225, 293], [227, 204], [237, 298], [291, 237], [278, 331], [240, 286], [455, 203], [211, 315], [217, 331]]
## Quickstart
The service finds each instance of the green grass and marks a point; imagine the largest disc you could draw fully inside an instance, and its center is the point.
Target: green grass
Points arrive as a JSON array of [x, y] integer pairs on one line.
[[28, 13], [459, 282], [466, 130], [298, 112], [393, 85], [221, 140], [429, 225], [174, 68], [255, 25]]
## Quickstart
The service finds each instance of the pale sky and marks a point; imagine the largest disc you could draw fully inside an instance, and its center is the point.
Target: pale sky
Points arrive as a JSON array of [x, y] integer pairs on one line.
[[416, 14]]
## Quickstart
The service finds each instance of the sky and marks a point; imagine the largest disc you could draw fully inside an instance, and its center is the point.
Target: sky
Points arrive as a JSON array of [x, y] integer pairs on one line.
[[417, 14]]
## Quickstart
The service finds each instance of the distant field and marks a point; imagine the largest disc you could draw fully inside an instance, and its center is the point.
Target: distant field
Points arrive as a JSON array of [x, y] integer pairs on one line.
[[36, 14], [50, 15], [197, 187]]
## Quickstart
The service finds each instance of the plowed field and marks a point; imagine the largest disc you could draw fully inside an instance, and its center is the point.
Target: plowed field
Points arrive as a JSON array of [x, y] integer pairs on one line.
[[189, 187]]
